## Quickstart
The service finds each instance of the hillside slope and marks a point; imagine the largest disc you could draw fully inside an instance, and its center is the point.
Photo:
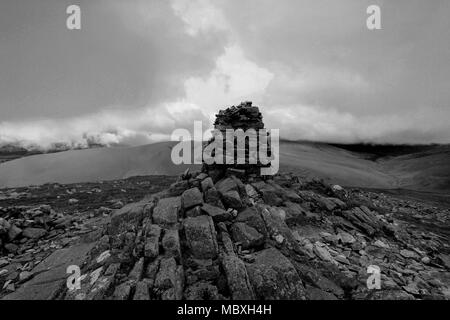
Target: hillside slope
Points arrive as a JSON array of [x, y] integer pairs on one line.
[[423, 170], [90, 165]]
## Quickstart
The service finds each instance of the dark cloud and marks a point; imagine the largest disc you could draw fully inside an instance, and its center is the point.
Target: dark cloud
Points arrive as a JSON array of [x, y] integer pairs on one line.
[[119, 58]]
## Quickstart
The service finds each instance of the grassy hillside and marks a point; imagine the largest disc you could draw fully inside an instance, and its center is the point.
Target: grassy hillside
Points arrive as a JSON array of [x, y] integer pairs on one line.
[[425, 169]]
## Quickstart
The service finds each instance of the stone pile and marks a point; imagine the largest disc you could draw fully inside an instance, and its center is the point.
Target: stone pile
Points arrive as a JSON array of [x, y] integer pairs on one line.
[[245, 117], [280, 239]]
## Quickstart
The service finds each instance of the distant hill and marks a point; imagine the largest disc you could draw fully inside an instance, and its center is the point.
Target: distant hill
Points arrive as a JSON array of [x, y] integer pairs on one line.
[[377, 151], [90, 165], [10, 152], [13, 151], [426, 168]]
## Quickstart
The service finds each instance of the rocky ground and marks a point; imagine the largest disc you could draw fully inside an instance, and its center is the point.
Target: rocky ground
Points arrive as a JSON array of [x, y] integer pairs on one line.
[[37, 221], [195, 238]]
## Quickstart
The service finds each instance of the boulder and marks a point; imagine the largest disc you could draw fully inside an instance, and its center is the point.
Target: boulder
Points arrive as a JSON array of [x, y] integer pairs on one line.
[[227, 184], [409, 254], [346, 238], [313, 275], [171, 243], [284, 193], [122, 291], [73, 201], [176, 189], [34, 233], [252, 218], [200, 176], [152, 269], [227, 243], [231, 199], [268, 193], [271, 198], [218, 214], [246, 235], [152, 234], [194, 212], [128, 216], [250, 191], [313, 293], [207, 184], [276, 227], [11, 247], [3, 262], [445, 259], [4, 226], [166, 211], [202, 291], [294, 211], [365, 220], [322, 252], [381, 244], [201, 237], [212, 197], [325, 203], [237, 278], [136, 273], [14, 232], [169, 280], [116, 204], [142, 292], [191, 198], [274, 277]]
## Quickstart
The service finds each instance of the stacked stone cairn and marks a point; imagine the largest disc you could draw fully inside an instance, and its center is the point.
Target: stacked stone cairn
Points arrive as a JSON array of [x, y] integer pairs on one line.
[[245, 117]]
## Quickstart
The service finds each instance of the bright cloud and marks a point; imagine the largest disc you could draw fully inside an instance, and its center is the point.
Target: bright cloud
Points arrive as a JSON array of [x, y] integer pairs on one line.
[[235, 78], [199, 16], [108, 127]]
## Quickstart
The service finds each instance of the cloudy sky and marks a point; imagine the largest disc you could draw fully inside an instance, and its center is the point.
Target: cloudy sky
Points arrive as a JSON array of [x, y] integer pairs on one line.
[[137, 70]]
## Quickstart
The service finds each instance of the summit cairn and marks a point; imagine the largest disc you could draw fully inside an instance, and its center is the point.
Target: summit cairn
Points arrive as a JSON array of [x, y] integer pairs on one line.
[[244, 116], [241, 159]]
